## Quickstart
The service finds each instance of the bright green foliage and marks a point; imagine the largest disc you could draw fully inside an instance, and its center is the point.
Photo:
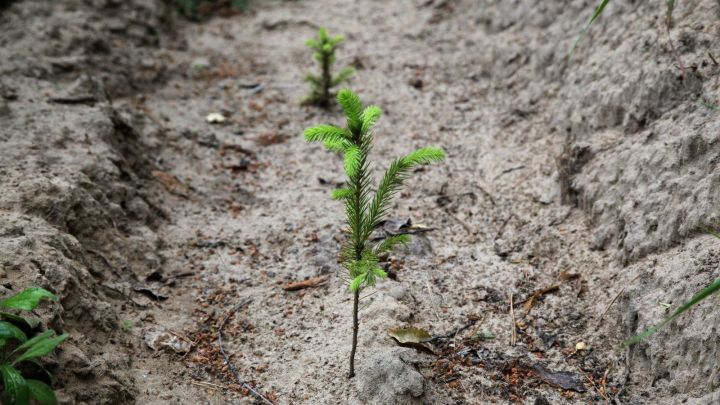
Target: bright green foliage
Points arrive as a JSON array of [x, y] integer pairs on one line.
[[365, 210], [16, 348], [321, 85], [706, 292]]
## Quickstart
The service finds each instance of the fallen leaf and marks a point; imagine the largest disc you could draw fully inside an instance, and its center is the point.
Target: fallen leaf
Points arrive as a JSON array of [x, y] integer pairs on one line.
[[299, 285], [537, 294], [563, 379], [270, 139], [411, 337], [171, 183]]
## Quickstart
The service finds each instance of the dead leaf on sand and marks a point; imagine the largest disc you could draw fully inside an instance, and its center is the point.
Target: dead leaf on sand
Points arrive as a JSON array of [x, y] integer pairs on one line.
[[299, 285], [171, 183], [411, 337]]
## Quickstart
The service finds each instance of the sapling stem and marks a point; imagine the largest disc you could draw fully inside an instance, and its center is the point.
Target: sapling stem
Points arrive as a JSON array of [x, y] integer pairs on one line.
[[356, 327], [363, 213]]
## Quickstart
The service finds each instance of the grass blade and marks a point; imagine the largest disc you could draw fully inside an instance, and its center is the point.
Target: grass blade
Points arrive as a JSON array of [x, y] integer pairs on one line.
[[598, 10], [709, 290]]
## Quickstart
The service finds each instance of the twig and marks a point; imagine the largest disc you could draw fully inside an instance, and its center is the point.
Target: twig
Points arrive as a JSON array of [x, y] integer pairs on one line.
[[487, 194], [712, 58], [600, 392], [502, 227], [231, 366], [192, 347], [506, 171], [454, 333], [462, 223], [615, 299], [208, 385], [513, 337]]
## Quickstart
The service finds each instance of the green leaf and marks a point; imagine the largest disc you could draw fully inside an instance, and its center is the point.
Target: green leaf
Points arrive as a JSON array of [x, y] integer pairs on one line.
[[30, 322], [41, 392], [598, 10], [312, 79], [312, 43], [352, 161], [369, 118], [356, 283], [16, 389], [391, 241], [27, 299], [350, 103], [344, 74], [706, 292], [334, 41], [34, 340], [380, 273], [337, 146], [325, 133], [41, 348], [341, 193], [10, 331], [323, 34], [424, 156]]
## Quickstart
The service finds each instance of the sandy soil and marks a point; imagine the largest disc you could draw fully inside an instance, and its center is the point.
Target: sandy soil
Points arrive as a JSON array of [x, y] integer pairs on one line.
[[581, 184]]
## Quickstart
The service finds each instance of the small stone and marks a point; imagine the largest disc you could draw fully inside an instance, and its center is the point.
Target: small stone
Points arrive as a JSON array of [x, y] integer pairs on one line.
[[390, 378]]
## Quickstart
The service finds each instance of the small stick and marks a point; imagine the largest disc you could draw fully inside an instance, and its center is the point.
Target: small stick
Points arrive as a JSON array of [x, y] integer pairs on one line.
[[231, 366], [512, 169], [513, 337], [712, 58], [463, 224], [208, 385], [615, 299]]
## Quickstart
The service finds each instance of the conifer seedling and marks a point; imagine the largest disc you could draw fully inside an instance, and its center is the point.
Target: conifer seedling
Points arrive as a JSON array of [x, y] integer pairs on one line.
[[322, 84], [364, 209]]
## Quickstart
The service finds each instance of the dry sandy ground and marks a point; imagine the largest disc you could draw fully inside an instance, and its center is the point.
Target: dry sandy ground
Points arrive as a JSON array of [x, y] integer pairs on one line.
[[583, 180]]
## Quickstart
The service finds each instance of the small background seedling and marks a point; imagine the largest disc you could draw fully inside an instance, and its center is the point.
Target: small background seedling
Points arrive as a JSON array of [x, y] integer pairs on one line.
[[365, 211], [127, 325], [321, 85]]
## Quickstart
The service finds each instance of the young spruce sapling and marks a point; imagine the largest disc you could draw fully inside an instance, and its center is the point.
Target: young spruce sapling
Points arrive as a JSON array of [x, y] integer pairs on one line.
[[321, 85], [365, 210]]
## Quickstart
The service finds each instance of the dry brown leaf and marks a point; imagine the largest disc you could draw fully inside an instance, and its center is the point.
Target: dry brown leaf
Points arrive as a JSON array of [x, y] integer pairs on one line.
[[411, 337], [537, 294], [171, 183], [299, 285]]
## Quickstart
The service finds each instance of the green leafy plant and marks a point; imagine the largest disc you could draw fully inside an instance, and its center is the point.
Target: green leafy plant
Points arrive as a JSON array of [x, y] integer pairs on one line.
[[322, 84], [16, 349], [127, 325], [704, 293], [364, 210]]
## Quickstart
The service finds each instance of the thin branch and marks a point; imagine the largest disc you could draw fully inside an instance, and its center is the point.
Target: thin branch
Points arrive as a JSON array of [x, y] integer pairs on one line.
[[230, 365]]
